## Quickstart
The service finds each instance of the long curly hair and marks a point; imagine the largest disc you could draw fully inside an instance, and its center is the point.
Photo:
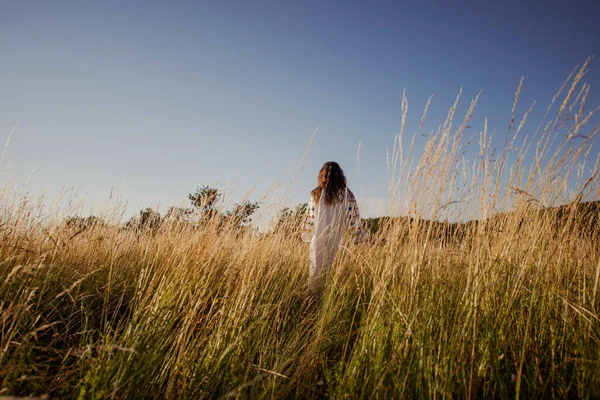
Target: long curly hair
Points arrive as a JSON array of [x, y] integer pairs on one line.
[[332, 182]]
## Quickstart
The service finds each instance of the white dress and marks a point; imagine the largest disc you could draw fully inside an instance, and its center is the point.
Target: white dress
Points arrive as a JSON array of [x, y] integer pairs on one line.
[[325, 225]]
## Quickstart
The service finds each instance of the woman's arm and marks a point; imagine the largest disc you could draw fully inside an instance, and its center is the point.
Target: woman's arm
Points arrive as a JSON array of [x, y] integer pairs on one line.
[[354, 223], [309, 222]]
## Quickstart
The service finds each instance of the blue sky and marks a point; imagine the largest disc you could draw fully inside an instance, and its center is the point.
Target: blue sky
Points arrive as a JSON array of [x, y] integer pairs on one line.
[[155, 98]]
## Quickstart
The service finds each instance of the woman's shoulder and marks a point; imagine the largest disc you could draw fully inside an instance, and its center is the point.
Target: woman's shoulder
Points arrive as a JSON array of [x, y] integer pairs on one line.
[[345, 196], [314, 194], [350, 195]]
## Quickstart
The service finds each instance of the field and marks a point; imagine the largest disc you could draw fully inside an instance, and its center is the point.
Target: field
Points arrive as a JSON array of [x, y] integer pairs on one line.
[[505, 307]]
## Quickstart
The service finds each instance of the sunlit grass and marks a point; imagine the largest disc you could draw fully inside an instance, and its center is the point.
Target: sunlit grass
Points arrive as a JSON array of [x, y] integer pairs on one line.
[[505, 307]]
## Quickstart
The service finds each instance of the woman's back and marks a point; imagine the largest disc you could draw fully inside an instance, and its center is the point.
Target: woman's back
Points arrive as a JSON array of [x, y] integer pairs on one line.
[[332, 210], [325, 226], [331, 220]]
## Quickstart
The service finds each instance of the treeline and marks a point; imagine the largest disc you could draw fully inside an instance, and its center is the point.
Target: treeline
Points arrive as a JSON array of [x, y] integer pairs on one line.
[[205, 208], [583, 218]]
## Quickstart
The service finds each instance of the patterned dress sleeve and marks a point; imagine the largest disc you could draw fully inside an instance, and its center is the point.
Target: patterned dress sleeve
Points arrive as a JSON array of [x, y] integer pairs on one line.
[[355, 226], [309, 222]]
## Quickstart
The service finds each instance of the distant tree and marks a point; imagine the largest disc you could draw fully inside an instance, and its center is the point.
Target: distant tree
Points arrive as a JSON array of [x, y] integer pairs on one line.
[[178, 215], [241, 215], [86, 223], [291, 220], [148, 219], [205, 200]]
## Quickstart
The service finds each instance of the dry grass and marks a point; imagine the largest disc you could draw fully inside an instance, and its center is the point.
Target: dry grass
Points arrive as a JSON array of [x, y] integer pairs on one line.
[[507, 307]]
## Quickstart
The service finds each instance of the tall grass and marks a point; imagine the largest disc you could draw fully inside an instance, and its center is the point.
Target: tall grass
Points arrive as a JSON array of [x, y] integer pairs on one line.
[[505, 307]]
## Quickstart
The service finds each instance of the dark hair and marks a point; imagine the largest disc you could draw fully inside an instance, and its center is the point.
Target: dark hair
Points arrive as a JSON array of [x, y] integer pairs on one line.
[[332, 181]]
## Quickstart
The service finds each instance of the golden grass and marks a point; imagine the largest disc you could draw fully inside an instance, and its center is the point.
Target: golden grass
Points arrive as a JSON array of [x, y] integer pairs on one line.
[[505, 307]]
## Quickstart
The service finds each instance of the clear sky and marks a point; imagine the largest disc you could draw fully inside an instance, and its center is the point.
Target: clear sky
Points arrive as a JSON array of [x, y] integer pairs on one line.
[[155, 98]]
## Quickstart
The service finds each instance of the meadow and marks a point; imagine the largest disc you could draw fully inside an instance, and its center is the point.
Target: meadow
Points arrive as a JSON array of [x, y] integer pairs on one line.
[[507, 307]]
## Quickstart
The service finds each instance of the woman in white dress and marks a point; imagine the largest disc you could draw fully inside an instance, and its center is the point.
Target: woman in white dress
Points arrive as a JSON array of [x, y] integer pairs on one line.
[[332, 210]]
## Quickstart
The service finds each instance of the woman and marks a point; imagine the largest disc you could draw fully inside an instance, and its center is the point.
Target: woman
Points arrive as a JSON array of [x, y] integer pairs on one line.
[[331, 211]]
